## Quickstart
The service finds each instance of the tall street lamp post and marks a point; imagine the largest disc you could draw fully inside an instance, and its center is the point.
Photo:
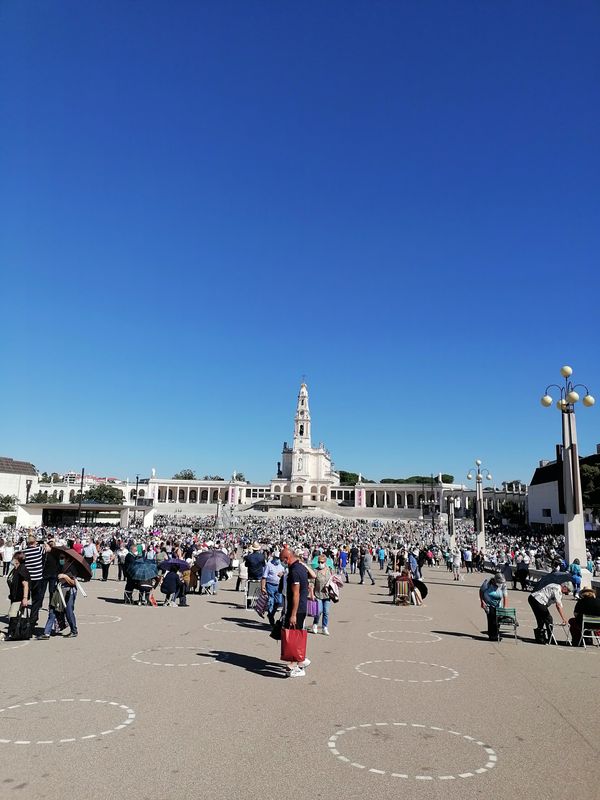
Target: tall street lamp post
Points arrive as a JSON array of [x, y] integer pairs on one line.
[[137, 484], [570, 499], [479, 515], [451, 534]]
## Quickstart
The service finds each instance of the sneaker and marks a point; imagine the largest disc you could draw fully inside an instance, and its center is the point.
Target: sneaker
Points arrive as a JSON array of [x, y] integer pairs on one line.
[[372, 583], [42, 637], [315, 629], [325, 632], [297, 672], [70, 635], [305, 663]]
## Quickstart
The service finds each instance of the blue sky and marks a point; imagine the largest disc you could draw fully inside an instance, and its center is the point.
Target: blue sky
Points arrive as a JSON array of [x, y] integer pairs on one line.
[[203, 201]]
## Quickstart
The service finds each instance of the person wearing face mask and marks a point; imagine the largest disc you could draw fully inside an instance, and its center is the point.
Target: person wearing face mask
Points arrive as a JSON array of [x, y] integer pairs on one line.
[[322, 577], [269, 585], [59, 610]]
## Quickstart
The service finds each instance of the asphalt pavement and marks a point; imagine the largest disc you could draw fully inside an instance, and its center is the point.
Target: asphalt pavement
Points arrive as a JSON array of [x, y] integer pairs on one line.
[[183, 702]]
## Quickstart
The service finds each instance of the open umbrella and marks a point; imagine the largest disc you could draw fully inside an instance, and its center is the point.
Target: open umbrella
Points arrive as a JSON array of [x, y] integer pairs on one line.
[[77, 562], [142, 570], [212, 560], [422, 588], [552, 577], [173, 562]]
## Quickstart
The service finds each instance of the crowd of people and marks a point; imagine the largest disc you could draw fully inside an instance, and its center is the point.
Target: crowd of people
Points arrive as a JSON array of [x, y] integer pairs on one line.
[[325, 552]]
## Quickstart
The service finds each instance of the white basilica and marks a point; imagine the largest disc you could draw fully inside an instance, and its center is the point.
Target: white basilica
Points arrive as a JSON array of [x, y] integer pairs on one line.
[[304, 471]]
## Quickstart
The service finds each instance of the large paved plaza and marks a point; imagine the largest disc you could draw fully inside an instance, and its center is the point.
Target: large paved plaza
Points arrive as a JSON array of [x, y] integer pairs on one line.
[[174, 703]]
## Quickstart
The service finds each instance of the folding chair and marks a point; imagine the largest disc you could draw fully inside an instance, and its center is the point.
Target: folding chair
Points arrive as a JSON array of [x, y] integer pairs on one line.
[[252, 593], [590, 629], [402, 593], [507, 621]]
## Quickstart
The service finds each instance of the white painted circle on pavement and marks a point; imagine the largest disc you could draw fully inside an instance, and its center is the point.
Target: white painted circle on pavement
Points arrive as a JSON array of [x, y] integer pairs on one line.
[[97, 619], [148, 657], [384, 731], [25, 706], [5, 647], [433, 637], [372, 668]]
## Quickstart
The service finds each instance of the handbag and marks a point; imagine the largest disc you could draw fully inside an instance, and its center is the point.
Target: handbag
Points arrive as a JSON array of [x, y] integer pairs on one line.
[[261, 604], [56, 601], [293, 644], [312, 608], [276, 631], [22, 629]]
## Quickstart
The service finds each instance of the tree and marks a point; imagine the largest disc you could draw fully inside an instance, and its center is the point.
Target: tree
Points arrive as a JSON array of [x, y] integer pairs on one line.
[[38, 497], [239, 476], [103, 493], [590, 485], [426, 479], [213, 478], [7, 502], [350, 478], [185, 475]]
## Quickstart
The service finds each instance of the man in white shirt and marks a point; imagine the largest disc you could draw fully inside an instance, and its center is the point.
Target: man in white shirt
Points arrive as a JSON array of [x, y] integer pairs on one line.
[[548, 595]]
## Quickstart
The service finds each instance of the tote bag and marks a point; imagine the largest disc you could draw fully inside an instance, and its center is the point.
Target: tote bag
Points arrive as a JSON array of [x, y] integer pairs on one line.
[[293, 644]]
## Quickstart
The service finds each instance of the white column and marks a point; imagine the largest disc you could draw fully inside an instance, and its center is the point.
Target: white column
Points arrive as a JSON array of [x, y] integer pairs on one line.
[[573, 518], [480, 513]]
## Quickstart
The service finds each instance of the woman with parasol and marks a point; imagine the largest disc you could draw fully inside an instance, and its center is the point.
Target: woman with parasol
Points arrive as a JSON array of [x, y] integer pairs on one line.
[[71, 565]]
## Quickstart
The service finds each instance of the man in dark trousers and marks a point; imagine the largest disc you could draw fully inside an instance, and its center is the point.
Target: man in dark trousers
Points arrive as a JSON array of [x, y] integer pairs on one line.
[[295, 604], [353, 559]]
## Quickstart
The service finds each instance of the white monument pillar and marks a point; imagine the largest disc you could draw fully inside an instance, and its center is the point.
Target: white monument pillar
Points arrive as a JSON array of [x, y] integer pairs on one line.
[[573, 518]]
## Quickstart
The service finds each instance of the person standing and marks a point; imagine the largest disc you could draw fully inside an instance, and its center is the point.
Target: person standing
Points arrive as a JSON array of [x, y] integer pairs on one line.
[[106, 558], [90, 553], [295, 606], [121, 555], [343, 563], [322, 577], [521, 572], [365, 565], [8, 552], [68, 589], [19, 583], [353, 559], [34, 561], [381, 556], [468, 559], [255, 561], [456, 562], [272, 575]]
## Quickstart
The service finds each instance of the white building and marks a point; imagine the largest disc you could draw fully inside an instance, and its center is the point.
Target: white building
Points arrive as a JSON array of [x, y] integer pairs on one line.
[[305, 478], [305, 472], [18, 479], [544, 499]]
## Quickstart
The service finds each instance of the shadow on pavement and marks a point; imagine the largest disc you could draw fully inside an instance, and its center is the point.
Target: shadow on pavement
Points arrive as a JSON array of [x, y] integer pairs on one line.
[[248, 623], [226, 604], [463, 635], [259, 666], [119, 600]]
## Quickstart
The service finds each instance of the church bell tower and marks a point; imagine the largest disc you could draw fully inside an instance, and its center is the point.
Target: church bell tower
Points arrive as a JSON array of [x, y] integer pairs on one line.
[[302, 421]]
